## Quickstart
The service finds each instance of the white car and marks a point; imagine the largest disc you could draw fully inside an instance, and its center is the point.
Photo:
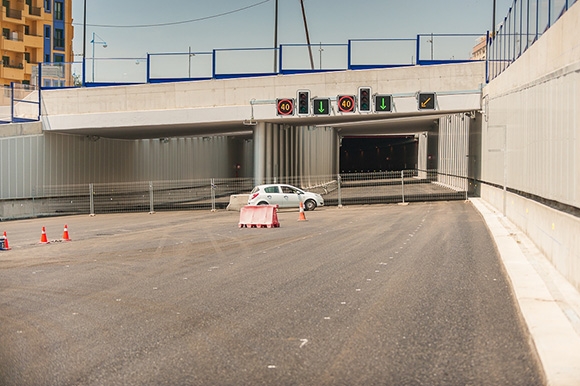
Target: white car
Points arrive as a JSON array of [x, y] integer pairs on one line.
[[285, 196]]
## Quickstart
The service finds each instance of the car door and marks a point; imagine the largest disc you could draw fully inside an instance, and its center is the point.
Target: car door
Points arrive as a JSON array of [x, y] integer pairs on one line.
[[289, 196], [273, 195]]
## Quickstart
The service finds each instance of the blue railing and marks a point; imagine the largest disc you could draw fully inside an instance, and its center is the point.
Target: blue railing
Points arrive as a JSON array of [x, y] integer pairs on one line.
[[525, 22], [356, 54]]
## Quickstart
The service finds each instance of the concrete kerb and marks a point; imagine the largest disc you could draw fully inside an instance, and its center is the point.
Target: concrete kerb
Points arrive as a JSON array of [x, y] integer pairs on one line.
[[549, 304]]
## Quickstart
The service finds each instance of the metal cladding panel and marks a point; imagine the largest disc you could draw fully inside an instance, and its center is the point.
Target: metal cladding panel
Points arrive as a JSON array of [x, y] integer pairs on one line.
[[30, 164], [531, 142], [292, 151], [20, 166], [453, 163]]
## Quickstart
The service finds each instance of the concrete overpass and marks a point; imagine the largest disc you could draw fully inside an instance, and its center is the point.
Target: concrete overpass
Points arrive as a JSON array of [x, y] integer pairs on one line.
[[234, 106]]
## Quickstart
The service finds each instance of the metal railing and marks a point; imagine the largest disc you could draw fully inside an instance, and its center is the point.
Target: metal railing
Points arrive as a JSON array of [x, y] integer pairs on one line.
[[20, 103], [525, 22], [214, 193], [227, 63]]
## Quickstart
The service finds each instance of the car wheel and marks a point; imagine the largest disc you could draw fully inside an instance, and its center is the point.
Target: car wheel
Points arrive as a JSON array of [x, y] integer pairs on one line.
[[262, 203], [309, 205]]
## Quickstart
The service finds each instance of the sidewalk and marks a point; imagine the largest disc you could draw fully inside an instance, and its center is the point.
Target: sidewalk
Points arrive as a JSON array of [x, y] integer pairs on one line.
[[549, 304]]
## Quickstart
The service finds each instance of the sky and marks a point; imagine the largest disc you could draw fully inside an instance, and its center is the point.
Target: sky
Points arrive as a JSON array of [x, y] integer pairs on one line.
[[133, 28]]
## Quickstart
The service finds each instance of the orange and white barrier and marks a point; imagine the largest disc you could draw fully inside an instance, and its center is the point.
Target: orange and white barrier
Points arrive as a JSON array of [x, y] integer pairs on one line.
[[259, 216]]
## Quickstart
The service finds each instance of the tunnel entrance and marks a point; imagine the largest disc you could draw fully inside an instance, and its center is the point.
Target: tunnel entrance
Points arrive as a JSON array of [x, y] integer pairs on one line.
[[378, 153]]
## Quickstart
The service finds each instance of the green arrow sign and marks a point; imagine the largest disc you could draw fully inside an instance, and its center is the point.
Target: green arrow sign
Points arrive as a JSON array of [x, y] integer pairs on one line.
[[383, 103], [321, 106]]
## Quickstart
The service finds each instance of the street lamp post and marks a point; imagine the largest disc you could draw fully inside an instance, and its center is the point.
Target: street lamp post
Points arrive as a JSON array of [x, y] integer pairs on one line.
[[93, 42], [84, 64]]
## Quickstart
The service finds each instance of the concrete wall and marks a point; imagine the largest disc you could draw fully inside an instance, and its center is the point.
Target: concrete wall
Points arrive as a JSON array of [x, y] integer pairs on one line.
[[531, 143]]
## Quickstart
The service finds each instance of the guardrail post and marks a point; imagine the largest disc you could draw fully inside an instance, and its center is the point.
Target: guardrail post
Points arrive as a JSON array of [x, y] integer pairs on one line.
[[12, 102], [148, 69], [213, 188], [418, 50], [92, 200], [339, 193], [403, 185], [151, 208]]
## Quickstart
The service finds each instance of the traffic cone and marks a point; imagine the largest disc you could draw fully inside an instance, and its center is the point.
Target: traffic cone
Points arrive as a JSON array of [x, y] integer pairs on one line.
[[43, 238], [301, 216], [6, 246], [65, 234]]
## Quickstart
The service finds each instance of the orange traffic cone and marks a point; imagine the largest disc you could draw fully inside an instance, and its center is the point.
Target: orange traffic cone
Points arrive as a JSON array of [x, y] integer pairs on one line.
[[301, 216], [43, 238], [65, 234], [6, 246]]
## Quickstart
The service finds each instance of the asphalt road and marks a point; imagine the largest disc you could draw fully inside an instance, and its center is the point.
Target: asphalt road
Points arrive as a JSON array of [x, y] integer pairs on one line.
[[369, 295]]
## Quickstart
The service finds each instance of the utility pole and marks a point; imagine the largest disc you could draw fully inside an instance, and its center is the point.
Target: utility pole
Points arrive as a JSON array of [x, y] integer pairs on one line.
[[84, 43], [276, 38], [307, 35], [493, 21]]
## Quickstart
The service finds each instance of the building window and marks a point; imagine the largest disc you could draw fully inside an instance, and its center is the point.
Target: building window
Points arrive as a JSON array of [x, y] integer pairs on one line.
[[27, 57], [59, 38], [6, 33], [58, 58], [47, 32], [47, 6], [58, 11], [47, 58]]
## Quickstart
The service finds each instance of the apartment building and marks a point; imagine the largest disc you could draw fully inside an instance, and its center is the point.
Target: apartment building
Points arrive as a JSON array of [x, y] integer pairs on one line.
[[33, 32], [479, 51]]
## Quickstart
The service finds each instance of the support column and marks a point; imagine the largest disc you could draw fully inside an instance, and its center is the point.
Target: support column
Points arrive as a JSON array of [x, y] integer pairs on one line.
[[259, 153], [422, 156], [269, 151]]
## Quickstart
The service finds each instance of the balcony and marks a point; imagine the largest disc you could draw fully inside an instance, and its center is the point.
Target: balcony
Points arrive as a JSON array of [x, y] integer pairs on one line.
[[31, 12], [33, 41], [13, 15], [12, 72], [28, 68], [12, 43]]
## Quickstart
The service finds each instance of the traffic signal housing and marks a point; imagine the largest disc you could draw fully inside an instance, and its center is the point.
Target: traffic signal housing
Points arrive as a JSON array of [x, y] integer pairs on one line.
[[364, 99], [303, 98]]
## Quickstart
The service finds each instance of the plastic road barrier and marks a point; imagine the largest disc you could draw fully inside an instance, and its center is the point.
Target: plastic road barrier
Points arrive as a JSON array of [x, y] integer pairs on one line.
[[259, 216]]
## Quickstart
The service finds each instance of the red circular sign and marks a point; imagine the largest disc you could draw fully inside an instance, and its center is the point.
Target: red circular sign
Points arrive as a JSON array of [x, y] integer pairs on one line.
[[285, 106], [346, 103]]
